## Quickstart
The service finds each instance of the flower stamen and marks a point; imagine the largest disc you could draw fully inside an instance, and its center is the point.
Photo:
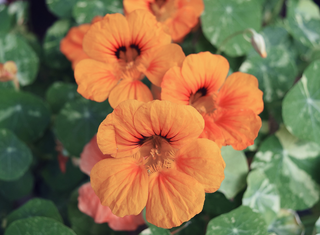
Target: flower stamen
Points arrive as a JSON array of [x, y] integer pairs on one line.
[[157, 154], [203, 102]]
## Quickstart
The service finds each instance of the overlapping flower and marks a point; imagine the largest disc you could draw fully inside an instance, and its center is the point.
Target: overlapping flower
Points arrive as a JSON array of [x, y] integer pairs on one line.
[[157, 159], [179, 16], [89, 203], [158, 150], [71, 44], [229, 107], [122, 51]]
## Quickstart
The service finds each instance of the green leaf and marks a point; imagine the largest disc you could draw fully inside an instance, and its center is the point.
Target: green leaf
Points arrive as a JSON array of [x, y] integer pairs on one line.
[[53, 176], [282, 157], [38, 225], [16, 49], [78, 122], [301, 106], [241, 221], [83, 224], [9, 85], [217, 204], [85, 10], [317, 227], [20, 10], [286, 223], [235, 172], [23, 113], [5, 19], [262, 196], [61, 8], [14, 190], [303, 21], [15, 156], [277, 72], [307, 8], [59, 93], [222, 19], [35, 207], [53, 57]]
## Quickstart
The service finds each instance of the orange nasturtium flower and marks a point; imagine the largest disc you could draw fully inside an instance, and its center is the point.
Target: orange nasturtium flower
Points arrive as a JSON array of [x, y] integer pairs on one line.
[[89, 203], [157, 158], [71, 44], [122, 51], [180, 16], [229, 107]]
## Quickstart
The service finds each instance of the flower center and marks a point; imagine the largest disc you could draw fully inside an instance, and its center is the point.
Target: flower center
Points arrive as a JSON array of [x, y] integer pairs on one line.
[[157, 154], [163, 9], [128, 54], [202, 101]]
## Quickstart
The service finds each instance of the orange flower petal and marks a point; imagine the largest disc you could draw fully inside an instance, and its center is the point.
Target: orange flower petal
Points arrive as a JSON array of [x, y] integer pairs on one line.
[[71, 44], [202, 160], [116, 134], [90, 155], [120, 184], [178, 123], [233, 127], [131, 5], [95, 79], [126, 223], [196, 5], [89, 203], [156, 92], [145, 31], [205, 70], [240, 91], [174, 87], [128, 89], [104, 37], [157, 62], [174, 198], [182, 23]]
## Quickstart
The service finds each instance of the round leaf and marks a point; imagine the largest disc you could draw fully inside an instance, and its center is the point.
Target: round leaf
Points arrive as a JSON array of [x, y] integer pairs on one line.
[[301, 106], [217, 204], [61, 8], [78, 122], [53, 176], [59, 93], [26, 115], [14, 190], [277, 72], [286, 223], [222, 19], [5, 19], [317, 228], [235, 172], [241, 221], [15, 156], [52, 55], [85, 10], [35, 207], [9, 85], [282, 157], [38, 226], [16, 49], [305, 29], [262, 196]]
